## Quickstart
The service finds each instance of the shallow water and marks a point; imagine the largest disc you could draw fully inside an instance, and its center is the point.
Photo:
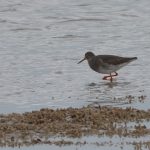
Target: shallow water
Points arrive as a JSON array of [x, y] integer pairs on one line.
[[42, 41], [83, 147], [92, 142]]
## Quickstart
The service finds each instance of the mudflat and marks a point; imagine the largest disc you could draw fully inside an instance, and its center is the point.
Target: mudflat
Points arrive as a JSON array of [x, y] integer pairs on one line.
[[38, 126]]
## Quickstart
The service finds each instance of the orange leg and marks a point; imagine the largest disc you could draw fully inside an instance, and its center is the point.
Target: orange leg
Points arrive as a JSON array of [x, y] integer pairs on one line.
[[110, 76], [116, 74]]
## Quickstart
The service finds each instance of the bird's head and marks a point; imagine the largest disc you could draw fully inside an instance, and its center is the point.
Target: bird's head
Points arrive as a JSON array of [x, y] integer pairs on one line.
[[88, 56]]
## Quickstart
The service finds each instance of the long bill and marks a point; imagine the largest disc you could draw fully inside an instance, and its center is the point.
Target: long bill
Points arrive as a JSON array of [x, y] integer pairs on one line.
[[81, 60]]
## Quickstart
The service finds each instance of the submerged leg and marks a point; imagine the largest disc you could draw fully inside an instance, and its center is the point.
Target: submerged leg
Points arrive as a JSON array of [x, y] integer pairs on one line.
[[111, 79]]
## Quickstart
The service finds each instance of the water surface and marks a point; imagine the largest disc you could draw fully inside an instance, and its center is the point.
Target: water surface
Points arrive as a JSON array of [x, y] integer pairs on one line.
[[42, 41]]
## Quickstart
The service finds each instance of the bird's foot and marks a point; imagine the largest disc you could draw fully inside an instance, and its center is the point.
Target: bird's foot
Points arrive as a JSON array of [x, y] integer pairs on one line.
[[110, 77], [113, 75], [106, 77]]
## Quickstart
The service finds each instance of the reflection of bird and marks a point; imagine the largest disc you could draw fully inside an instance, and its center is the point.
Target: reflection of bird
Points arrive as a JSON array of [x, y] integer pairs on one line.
[[106, 64]]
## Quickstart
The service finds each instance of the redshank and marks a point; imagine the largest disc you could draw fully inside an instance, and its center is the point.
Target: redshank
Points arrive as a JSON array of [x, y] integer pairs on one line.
[[106, 64]]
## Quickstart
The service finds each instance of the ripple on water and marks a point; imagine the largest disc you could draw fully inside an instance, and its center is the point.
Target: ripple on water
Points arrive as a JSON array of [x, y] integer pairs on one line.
[[45, 62]]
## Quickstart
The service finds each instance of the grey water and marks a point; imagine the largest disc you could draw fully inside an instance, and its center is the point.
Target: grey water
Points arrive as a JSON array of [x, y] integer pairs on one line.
[[42, 41]]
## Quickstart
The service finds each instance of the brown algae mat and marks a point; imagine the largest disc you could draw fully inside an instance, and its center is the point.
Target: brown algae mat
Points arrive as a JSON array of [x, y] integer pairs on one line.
[[37, 126]]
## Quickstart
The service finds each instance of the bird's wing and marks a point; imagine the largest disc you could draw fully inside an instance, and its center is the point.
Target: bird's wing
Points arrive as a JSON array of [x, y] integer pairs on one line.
[[114, 60]]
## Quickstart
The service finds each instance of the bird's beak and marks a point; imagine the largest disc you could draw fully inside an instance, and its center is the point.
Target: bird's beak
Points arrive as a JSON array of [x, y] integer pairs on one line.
[[81, 60]]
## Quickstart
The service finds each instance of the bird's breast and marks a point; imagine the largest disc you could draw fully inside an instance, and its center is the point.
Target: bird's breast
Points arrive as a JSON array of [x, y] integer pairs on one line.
[[94, 65]]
